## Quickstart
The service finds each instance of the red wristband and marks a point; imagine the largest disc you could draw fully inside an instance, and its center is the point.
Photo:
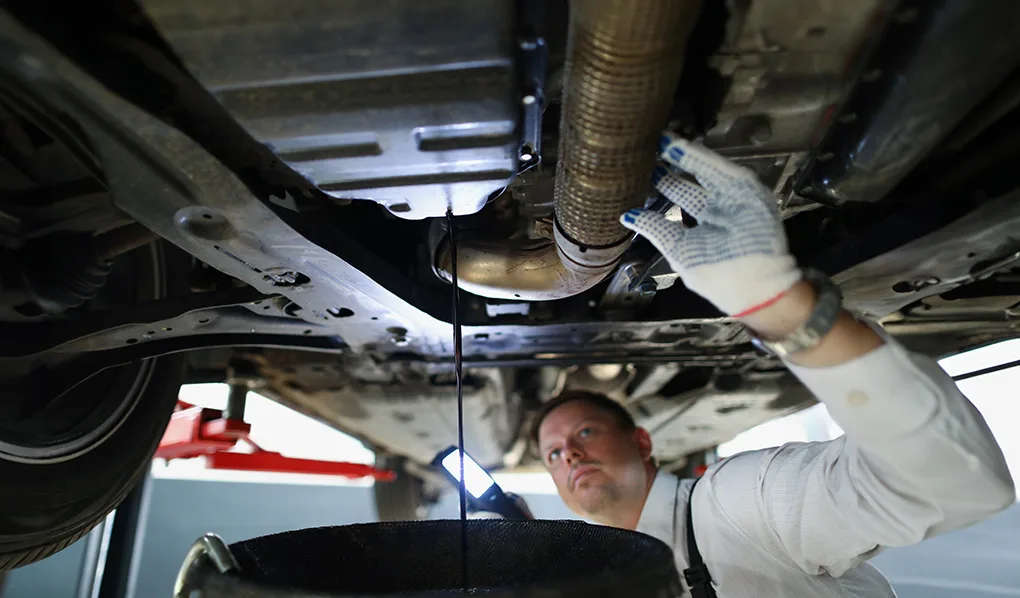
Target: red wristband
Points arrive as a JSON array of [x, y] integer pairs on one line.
[[761, 305]]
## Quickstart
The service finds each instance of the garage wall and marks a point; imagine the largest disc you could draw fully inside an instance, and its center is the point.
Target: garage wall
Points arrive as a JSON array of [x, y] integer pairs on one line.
[[183, 510]]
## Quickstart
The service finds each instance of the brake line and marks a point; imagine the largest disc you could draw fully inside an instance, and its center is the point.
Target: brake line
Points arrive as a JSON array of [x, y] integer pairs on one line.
[[458, 359]]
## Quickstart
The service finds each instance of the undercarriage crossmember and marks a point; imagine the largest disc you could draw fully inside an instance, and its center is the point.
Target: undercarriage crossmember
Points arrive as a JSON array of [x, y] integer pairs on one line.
[[178, 163]]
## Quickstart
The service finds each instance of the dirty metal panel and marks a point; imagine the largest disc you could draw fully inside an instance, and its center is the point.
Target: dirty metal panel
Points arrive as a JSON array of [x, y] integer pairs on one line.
[[412, 418], [705, 418], [934, 64], [409, 104], [788, 63], [984, 241]]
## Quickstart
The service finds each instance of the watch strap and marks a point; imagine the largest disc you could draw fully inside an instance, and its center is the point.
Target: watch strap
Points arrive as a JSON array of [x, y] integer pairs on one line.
[[823, 317]]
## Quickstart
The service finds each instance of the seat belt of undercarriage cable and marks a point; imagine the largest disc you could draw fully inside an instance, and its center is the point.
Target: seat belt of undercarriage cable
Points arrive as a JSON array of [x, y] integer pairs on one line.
[[458, 373]]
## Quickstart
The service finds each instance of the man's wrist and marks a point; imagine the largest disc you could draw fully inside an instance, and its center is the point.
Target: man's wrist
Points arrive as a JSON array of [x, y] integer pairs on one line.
[[782, 317], [847, 340]]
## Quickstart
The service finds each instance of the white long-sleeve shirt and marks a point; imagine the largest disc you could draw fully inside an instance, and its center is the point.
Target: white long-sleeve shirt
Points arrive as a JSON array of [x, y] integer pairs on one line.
[[916, 460]]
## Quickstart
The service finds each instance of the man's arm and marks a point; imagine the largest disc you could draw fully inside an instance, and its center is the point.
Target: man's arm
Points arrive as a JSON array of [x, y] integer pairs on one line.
[[917, 458]]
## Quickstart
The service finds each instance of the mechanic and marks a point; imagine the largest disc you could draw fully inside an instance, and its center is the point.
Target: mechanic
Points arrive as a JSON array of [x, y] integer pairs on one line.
[[916, 460]]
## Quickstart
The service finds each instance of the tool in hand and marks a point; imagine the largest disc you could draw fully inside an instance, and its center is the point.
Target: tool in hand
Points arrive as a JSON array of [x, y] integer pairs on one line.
[[484, 494]]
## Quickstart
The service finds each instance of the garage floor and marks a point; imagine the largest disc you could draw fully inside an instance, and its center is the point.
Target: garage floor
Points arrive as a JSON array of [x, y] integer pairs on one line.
[[982, 561]]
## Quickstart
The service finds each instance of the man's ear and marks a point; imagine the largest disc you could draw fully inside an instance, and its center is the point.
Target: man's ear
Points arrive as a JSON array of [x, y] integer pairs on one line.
[[644, 443]]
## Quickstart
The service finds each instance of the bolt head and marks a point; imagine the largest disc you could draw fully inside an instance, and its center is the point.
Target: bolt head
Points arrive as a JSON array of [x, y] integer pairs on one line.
[[761, 134]]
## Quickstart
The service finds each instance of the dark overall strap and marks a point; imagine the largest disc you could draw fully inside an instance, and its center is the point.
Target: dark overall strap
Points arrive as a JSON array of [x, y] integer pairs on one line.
[[699, 580]]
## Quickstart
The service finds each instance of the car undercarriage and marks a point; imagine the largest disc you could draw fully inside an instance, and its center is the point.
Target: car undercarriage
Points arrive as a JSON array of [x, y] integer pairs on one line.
[[256, 192]]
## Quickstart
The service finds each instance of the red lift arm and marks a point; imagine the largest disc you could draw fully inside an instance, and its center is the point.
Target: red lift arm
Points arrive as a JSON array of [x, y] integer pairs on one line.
[[203, 432]]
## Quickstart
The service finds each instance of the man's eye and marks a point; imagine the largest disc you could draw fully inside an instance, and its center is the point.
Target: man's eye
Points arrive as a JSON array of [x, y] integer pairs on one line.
[[584, 432], [554, 455]]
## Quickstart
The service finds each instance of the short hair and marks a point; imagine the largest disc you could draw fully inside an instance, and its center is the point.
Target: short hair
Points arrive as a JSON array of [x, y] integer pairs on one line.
[[599, 400]]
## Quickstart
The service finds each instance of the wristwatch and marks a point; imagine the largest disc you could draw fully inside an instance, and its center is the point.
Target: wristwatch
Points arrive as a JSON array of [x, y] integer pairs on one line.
[[819, 323]]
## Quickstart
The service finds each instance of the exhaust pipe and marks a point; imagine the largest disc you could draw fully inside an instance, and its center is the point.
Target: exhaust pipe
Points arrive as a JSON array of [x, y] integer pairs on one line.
[[623, 64], [514, 270]]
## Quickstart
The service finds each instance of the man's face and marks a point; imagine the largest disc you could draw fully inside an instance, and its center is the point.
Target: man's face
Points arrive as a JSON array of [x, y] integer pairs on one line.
[[596, 464]]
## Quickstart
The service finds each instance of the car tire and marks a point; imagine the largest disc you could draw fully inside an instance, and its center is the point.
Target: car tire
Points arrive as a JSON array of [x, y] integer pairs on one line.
[[47, 505], [402, 499]]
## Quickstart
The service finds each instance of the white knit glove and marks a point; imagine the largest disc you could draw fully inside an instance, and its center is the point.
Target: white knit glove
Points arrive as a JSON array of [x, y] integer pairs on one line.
[[736, 256]]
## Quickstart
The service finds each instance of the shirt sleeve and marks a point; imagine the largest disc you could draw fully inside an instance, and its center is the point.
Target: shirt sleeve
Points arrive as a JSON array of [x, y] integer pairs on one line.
[[916, 460]]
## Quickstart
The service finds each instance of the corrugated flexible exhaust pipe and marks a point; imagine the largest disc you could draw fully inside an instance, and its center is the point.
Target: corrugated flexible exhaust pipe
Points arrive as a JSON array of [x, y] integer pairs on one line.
[[623, 64]]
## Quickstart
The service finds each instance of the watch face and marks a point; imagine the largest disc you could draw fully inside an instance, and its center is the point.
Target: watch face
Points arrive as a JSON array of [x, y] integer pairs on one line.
[[779, 349], [811, 337], [762, 345]]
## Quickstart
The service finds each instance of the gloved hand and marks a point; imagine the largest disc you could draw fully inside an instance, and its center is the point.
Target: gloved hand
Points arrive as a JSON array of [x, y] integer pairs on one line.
[[736, 256], [521, 504], [518, 502]]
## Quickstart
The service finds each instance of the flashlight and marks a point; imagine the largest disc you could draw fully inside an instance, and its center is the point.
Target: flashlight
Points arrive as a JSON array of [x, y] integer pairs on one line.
[[483, 493]]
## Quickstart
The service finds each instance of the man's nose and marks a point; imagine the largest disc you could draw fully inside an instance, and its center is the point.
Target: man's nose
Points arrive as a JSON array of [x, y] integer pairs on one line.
[[573, 452]]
